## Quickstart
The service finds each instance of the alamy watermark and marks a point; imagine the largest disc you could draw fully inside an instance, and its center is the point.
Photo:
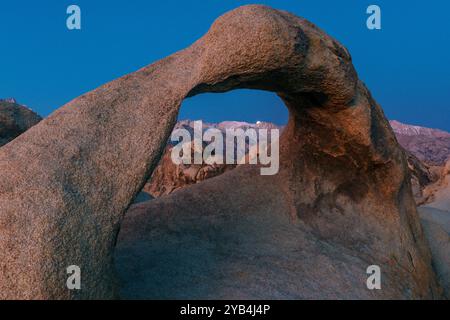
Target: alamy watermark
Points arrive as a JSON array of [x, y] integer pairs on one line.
[[374, 20], [73, 21], [374, 279], [373, 282], [74, 280]]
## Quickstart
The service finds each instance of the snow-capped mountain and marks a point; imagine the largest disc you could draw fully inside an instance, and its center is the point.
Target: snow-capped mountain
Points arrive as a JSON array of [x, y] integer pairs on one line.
[[411, 130], [429, 145]]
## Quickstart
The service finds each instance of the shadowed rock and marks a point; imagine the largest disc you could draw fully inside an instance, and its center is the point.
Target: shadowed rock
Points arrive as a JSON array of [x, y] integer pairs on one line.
[[343, 184], [436, 225], [422, 176], [437, 195], [435, 216]]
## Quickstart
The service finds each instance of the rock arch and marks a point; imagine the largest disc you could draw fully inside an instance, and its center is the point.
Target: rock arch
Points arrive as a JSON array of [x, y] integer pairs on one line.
[[67, 182]]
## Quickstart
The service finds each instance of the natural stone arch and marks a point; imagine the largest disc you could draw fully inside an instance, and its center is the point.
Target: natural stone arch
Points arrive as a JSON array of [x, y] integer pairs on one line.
[[67, 182]]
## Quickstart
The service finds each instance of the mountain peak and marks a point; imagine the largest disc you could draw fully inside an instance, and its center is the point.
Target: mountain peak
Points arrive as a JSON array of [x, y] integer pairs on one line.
[[10, 100], [411, 130]]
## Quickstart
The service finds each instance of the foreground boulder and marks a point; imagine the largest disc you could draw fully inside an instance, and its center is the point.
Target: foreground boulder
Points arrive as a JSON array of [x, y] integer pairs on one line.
[[169, 177], [341, 202]]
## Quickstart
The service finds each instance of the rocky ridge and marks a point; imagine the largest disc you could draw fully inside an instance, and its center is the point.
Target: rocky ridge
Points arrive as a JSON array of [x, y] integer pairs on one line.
[[15, 119]]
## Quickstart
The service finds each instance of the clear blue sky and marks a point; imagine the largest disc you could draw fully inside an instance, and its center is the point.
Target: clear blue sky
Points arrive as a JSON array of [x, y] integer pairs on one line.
[[406, 65]]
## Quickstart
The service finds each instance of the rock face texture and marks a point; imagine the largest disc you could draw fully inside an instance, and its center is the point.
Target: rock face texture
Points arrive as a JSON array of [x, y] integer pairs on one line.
[[436, 224], [435, 215], [437, 195], [429, 145], [15, 120], [422, 176], [341, 202], [169, 177]]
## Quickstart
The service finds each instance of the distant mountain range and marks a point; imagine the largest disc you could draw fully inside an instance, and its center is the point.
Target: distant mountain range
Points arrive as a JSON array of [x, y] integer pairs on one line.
[[431, 146], [189, 125], [411, 130], [9, 100]]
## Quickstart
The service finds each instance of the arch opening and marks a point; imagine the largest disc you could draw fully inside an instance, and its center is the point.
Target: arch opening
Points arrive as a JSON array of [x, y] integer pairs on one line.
[[235, 110]]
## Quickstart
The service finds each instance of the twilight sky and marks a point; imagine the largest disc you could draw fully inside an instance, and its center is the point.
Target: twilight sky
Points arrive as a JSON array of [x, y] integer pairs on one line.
[[406, 65]]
